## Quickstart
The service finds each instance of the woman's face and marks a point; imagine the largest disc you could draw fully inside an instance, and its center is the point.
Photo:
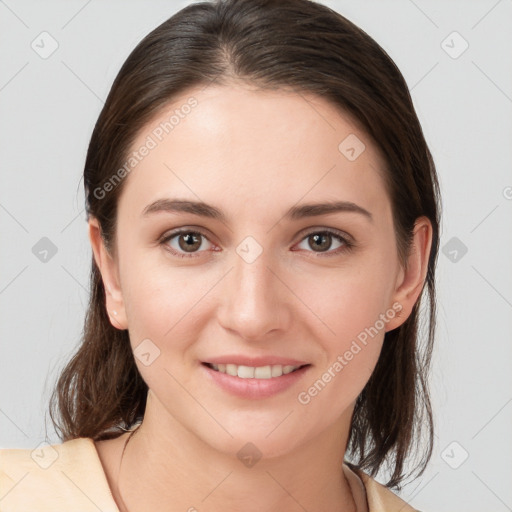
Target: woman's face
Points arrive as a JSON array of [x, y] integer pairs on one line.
[[254, 277]]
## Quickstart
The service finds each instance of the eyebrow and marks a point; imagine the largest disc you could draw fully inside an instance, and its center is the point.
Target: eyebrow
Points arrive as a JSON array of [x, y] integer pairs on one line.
[[294, 213]]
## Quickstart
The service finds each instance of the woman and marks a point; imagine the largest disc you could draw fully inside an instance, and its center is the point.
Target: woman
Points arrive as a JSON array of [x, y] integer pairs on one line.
[[263, 212]]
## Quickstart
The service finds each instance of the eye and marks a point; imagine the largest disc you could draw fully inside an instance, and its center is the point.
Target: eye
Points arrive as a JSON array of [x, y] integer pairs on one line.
[[322, 241], [185, 243]]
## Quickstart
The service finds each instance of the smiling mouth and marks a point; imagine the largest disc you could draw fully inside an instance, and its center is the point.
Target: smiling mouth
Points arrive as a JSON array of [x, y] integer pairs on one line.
[[254, 372]]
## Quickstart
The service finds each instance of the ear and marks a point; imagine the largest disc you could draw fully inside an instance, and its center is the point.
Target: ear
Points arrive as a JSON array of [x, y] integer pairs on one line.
[[410, 280], [109, 273]]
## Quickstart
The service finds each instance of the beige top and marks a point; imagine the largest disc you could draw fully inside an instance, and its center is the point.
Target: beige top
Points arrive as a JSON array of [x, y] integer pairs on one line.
[[70, 477]]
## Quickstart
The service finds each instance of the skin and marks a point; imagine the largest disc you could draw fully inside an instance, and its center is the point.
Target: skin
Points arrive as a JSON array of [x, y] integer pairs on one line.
[[253, 155]]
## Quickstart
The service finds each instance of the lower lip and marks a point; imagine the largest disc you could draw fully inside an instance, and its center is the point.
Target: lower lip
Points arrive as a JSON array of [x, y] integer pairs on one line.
[[254, 388]]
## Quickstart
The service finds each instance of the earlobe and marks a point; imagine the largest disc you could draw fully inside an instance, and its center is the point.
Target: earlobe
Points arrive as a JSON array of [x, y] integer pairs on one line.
[[411, 280], [109, 273]]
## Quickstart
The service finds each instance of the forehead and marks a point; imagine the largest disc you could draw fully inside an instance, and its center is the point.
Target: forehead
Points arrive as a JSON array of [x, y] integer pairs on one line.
[[219, 143]]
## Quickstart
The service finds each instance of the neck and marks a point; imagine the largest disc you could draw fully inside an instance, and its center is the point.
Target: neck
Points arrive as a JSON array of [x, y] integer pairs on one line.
[[166, 467]]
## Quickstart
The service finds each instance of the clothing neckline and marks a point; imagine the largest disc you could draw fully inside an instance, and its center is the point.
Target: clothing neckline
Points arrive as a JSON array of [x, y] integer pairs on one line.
[[355, 482]]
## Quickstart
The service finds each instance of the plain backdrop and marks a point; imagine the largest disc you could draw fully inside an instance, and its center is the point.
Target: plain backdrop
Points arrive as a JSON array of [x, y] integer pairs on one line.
[[57, 62]]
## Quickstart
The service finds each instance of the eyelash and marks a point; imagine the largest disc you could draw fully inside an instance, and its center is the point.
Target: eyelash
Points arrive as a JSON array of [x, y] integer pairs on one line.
[[347, 244]]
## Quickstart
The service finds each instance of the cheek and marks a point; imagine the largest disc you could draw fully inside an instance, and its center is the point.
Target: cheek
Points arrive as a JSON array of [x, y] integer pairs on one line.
[[355, 307], [354, 323], [166, 304], [351, 300]]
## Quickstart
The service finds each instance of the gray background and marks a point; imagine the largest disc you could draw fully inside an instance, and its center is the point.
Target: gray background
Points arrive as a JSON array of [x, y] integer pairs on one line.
[[48, 107]]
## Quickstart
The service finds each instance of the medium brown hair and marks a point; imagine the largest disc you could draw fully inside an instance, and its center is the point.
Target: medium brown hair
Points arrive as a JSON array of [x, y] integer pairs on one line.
[[274, 44]]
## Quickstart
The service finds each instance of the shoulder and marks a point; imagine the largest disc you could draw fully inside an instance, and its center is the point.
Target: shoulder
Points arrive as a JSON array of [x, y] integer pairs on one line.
[[380, 498], [54, 477]]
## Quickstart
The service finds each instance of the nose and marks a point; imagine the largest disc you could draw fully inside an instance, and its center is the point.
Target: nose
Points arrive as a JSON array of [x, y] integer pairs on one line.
[[255, 303]]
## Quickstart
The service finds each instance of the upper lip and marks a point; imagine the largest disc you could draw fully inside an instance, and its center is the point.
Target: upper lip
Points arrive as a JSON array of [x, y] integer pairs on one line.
[[255, 361]]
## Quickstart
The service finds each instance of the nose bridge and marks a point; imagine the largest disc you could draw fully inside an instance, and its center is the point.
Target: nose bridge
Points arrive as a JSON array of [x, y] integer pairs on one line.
[[253, 303]]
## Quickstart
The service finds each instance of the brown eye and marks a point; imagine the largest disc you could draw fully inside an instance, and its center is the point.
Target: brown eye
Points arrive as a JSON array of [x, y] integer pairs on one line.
[[185, 243], [322, 241], [189, 242]]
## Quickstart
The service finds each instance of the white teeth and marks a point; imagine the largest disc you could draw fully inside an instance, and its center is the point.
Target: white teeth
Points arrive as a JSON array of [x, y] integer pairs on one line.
[[251, 372], [277, 371], [246, 372], [231, 369], [263, 372]]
